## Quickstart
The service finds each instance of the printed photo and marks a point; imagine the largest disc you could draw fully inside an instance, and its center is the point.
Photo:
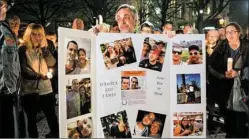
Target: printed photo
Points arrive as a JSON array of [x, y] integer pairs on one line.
[[149, 124], [187, 52], [116, 125], [153, 53], [81, 128], [188, 88], [133, 87], [118, 53], [188, 124], [78, 97], [78, 56]]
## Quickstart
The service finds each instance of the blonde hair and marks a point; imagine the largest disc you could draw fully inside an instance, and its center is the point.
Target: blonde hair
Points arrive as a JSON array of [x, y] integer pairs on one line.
[[27, 35]]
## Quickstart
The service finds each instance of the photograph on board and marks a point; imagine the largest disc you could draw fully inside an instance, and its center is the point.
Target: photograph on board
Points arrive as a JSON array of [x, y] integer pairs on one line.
[[133, 89], [77, 56], [81, 128], [78, 97], [118, 53], [116, 125], [188, 88], [153, 53], [187, 52], [149, 124], [188, 124]]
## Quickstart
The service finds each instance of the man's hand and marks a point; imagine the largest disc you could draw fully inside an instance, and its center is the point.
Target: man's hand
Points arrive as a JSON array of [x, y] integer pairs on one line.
[[170, 34], [231, 74]]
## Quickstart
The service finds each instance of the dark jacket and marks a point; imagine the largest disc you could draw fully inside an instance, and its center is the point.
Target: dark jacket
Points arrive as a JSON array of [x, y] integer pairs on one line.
[[218, 67], [9, 60]]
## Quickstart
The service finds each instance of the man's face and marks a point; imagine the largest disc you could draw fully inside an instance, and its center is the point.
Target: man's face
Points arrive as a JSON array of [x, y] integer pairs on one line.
[[177, 55], [160, 46], [72, 50], [146, 30], [134, 82], [212, 36], [14, 24], [125, 84], [126, 21], [186, 29], [146, 47], [153, 56], [148, 119], [75, 85], [167, 27], [194, 56]]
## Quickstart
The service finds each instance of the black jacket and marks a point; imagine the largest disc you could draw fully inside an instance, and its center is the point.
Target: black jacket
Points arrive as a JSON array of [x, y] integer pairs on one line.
[[218, 66]]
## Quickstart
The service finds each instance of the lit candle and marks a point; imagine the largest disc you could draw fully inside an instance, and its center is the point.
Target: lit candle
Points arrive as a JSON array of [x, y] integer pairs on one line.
[[100, 19], [229, 64], [49, 74]]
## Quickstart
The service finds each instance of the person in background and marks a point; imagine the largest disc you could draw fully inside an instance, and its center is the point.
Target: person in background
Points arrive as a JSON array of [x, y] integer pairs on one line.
[[35, 58], [146, 28], [14, 23], [187, 28], [78, 24], [168, 26], [222, 33], [9, 74], [223, 80], [157, 31], [114, 28]]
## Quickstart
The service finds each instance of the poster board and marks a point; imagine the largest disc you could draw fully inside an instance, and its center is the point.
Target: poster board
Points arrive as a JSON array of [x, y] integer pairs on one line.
[[134, 82]]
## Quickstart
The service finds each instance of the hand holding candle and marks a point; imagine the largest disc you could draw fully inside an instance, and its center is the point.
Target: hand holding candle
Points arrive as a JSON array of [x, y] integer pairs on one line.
[[49, 74]]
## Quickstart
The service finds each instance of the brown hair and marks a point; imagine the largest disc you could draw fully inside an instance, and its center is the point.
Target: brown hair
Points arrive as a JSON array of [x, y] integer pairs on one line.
[[236, 25]]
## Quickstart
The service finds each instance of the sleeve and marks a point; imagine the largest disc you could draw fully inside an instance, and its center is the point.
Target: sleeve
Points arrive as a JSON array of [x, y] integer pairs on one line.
[[26, 72], [214, 63], [49, 58]]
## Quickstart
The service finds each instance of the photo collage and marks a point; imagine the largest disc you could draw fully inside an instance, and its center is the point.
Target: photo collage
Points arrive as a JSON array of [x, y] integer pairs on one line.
[[78, 87], [188, 88]]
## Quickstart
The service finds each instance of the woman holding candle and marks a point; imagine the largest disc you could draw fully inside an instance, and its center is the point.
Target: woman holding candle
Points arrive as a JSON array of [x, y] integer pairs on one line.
[[222, 77], [35, 58]]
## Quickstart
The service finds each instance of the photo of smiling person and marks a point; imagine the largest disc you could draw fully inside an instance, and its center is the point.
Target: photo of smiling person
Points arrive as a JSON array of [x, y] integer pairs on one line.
[[149, 124], [153, 54], [187, 52], [78, 56]]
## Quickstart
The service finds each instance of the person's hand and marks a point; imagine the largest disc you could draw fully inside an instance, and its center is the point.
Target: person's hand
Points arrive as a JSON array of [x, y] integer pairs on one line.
[[231, 74], [186, 131], [44, 77], [96, 29], [170, 34]]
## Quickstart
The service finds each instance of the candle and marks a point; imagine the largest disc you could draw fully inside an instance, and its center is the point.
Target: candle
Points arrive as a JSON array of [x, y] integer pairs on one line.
[[100, 19], [49, 74], [229, 64]]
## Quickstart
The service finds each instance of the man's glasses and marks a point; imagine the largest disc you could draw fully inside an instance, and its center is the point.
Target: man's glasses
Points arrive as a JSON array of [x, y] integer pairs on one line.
[[195, 53], [176, 52]]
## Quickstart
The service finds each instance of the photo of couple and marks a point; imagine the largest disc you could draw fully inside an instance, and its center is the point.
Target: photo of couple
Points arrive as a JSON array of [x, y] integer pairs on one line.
[[149, 124], [78, 56]]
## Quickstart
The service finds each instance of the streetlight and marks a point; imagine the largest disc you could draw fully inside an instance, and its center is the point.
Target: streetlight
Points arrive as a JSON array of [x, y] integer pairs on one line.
[[201, 11], [221, 21]]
